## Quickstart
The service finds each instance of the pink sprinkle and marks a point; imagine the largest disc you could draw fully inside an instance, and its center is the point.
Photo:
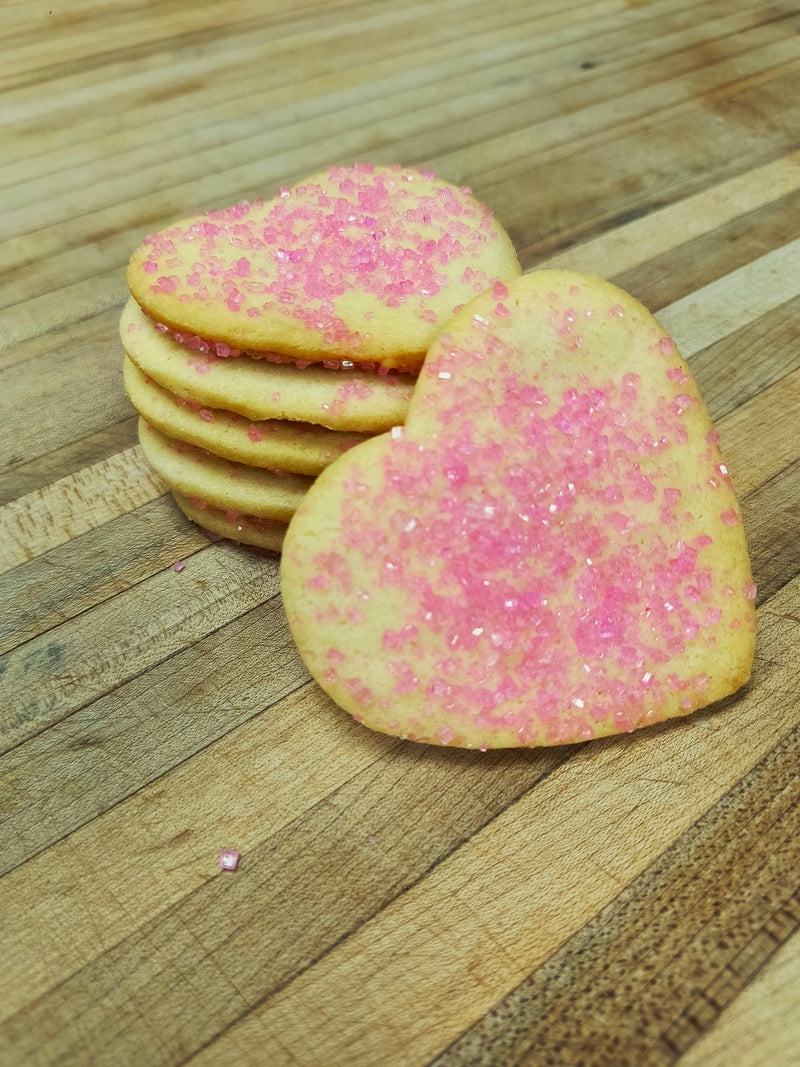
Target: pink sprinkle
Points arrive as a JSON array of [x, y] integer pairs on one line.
[[616, 312], [501, 311], [229, 859], [149, 267], [729, 517], [713, 616], [749, 590], [666, 347], [206, 415], [499, 291], [445, 734], [254, 434], [713, 437], [169, 284], [178, 565]]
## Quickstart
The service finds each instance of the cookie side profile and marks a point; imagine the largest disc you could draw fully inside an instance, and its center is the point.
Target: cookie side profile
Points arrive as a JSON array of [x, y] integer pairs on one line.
[[551, 551], [362, 263], [360, 401], [221, 483], [297, 447], [247, 529]]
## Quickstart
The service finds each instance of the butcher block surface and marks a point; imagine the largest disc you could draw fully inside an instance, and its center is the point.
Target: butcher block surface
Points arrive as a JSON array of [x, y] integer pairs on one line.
[[631, 901]]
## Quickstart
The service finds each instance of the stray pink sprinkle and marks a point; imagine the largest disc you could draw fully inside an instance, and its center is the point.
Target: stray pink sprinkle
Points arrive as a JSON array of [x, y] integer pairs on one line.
[[229, 859], [178, 565], [749, 590], [729, 517]]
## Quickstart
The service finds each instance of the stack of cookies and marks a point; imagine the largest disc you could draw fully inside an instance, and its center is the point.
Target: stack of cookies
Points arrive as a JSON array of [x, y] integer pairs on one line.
[[265, 339]]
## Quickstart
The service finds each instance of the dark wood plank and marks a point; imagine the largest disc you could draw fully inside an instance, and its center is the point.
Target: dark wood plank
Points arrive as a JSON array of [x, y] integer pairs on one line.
[[667, 956]]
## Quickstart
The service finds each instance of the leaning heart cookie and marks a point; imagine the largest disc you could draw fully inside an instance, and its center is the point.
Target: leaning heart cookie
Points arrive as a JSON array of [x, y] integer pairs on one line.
[[550, 551]]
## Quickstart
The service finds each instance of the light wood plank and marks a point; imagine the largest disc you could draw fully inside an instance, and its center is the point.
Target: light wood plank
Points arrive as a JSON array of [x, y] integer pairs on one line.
[[51, 516]]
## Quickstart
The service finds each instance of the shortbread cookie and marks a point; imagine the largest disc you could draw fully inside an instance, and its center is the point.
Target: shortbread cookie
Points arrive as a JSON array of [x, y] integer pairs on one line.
[[360, 263], [551, 551], [245, 528], [219, 482], [347, 400], [298, 447]]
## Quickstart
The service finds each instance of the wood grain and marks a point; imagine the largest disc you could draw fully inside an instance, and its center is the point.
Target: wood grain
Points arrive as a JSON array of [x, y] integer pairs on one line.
[[630, 901]]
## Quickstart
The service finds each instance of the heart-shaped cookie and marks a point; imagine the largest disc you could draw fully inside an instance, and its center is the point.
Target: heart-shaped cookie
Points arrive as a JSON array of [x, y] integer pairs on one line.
[[549, 551], [361, 264]]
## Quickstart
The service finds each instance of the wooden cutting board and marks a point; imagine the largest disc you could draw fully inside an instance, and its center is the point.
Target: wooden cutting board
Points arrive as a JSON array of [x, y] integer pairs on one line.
[[626, 902]]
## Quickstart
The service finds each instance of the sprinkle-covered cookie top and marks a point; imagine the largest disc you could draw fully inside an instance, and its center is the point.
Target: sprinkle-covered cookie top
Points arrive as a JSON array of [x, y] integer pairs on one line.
[[550, 550], [362, 263]]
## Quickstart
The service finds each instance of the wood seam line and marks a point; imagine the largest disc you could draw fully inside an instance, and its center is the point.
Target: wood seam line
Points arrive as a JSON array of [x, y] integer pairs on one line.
[[493, 57], [662, 862], [484, 65], [84, 504], [176, 69], [143, 785], [633, 121], [696, 321], [243, 171], [148, 667], [627, 247], [639, 107], [29, 77], [363, 23]]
